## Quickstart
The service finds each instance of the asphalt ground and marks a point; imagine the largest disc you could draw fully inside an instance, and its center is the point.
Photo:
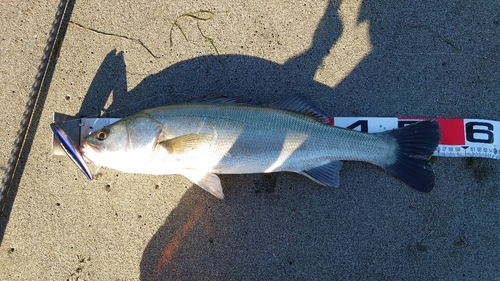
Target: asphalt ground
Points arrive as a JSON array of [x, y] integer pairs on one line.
[[351, 58]]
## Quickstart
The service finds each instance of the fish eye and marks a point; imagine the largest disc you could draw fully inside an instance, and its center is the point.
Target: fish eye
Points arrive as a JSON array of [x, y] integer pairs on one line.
[[102, 134]]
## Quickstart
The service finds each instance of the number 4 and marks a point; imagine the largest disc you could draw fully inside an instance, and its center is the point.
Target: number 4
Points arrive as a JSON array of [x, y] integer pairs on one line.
[[360, 123]]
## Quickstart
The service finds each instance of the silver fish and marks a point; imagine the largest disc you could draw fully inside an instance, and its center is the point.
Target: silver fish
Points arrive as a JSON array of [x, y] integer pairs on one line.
[[199, 140]]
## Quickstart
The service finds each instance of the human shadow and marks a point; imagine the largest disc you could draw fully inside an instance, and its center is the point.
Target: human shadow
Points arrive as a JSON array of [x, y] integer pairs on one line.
[[203, 238], [251, 80], [272, 226]]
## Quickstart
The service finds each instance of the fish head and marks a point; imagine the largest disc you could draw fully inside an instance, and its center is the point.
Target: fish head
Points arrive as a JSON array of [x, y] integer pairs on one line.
[[106, 146]]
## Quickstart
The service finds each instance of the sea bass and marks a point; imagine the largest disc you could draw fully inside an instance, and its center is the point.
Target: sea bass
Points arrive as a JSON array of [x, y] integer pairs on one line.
[[199, 140]]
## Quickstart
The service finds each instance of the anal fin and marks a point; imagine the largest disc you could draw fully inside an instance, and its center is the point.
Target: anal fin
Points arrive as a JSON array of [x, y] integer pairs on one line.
[[327, 174], [208, 181]]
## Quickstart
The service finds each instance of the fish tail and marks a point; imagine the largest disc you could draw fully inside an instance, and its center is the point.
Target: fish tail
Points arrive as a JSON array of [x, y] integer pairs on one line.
[[416, 144]]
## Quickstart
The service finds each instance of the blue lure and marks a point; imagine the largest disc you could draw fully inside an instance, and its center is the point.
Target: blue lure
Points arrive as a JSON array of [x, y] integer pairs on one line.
[[70, 148]]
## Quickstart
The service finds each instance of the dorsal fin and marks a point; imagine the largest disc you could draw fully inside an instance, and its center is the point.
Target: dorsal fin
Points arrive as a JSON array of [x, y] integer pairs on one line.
[[301, 105]]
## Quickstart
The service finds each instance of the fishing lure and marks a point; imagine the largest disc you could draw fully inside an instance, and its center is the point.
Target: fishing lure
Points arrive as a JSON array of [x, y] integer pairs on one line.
[[71, 150]]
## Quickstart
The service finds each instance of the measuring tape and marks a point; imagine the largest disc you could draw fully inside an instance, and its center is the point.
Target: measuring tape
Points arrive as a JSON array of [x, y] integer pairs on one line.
[[459, 137]]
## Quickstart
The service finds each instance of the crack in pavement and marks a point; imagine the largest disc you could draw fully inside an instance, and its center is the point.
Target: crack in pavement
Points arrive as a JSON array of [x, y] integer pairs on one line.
[[115, 35]]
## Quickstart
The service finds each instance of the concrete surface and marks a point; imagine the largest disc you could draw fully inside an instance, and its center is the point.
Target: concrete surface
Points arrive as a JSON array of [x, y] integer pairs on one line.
[[350, 57]]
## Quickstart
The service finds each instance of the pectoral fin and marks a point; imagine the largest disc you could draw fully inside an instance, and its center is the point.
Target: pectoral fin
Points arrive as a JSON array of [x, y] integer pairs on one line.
[[185, 143], [208, 181], [327, 174]]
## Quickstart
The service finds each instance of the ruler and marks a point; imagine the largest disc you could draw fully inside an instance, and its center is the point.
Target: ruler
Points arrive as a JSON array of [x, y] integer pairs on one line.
[[459, 137]]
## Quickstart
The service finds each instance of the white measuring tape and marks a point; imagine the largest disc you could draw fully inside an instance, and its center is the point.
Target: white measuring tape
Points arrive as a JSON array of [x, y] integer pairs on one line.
[[459, 137]]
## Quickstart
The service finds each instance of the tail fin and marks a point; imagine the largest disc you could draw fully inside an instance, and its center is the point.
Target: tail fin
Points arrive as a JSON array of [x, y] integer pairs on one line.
[[417, 143]]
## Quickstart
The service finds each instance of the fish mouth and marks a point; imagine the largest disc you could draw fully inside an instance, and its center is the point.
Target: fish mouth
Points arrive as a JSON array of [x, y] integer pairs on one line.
[[88, 145], [81, 151], [89, 150]]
